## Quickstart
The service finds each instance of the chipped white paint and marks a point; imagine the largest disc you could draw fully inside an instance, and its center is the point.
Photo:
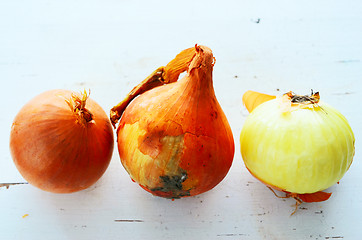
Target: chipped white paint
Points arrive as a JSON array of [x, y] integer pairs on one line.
[[110, 46]]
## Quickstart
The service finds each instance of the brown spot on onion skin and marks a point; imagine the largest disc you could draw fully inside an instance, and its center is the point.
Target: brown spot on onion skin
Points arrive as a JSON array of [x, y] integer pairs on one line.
[[172, 186]]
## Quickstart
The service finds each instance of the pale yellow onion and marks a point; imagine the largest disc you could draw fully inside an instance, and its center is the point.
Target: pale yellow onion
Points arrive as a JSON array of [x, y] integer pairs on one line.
[[300, 149]]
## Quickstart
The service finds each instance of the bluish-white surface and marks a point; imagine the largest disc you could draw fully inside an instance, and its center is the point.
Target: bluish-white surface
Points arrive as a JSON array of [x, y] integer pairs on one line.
[[110, 46]]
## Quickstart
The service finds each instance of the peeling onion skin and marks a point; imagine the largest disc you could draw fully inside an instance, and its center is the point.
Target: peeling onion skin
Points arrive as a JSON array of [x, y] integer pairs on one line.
[[298, 150], [175, 140], [54, 149]]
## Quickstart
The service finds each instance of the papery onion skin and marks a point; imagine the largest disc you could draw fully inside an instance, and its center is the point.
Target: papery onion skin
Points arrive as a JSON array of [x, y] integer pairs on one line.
[[297, 150], [175, 140], [56, 149]]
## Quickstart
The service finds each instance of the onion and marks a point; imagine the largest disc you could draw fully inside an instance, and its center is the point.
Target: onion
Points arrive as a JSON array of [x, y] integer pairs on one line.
[[296, 144], [174, 139], [61, 141]]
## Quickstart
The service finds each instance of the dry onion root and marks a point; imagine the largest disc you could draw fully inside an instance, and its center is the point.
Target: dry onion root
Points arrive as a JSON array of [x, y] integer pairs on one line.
[[173, 138], [61, 141], [296, 144]]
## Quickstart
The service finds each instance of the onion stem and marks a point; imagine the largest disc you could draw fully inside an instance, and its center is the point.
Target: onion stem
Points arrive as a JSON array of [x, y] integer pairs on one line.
[[77, 105]]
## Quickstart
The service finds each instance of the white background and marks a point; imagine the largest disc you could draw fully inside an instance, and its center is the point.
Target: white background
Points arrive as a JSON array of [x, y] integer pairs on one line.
[[110, 46]]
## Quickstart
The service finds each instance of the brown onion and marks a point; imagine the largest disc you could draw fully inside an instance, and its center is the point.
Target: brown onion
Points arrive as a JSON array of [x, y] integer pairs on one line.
[[174, 139], [61, 141]]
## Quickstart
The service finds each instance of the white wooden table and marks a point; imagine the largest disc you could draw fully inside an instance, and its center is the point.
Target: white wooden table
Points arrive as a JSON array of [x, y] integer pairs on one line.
[[110, 46]]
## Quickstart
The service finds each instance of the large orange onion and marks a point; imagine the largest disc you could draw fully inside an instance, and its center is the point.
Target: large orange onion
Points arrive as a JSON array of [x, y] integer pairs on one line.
[[61, 141], [174, 140]]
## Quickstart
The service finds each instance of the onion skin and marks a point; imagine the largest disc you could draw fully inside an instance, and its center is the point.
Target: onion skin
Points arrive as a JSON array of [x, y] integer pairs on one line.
[[297, 148], [56, 149], [252, 99], [175, 140]]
